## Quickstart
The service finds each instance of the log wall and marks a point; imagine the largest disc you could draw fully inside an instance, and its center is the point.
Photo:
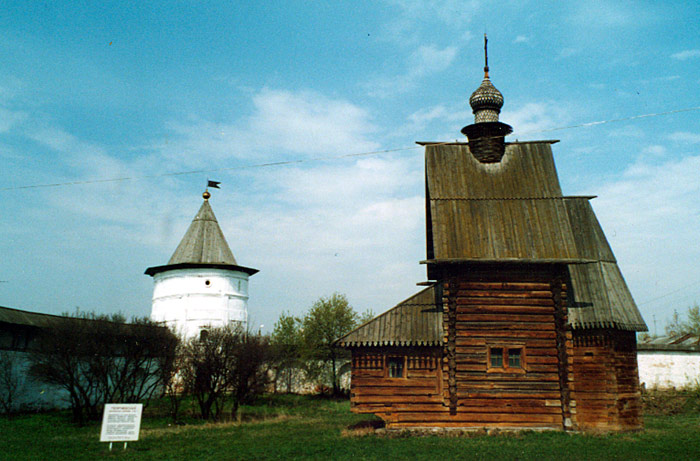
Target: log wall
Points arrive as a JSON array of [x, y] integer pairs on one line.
[[418, 391], [514, 309], [484, 310], [607, 381]]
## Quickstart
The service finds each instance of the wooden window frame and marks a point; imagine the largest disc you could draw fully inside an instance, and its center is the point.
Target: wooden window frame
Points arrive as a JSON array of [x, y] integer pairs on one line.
[[404, 368], [505, 347]]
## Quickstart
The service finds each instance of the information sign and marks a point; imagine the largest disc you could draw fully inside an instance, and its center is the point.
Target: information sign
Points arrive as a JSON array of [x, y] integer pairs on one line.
[[121, 422]]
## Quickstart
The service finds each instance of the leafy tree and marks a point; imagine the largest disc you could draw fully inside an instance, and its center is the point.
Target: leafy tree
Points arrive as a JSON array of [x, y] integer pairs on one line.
[[286, 349], [327, 320], [365, 317], [679, 327]]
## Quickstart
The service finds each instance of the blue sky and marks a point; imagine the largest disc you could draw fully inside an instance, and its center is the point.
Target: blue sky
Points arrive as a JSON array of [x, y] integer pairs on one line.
[[92, 91]]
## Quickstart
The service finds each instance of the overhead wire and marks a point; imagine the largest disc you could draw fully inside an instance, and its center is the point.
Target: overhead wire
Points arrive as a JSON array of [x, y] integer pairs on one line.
[[324, 158], [665, 295]]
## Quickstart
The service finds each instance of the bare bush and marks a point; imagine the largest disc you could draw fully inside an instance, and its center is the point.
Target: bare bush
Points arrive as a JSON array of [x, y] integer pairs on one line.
[[99, 359], [11, 381], [225, 363]]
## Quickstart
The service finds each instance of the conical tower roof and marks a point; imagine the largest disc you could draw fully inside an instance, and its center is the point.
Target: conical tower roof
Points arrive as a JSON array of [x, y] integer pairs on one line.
[[203, 245]]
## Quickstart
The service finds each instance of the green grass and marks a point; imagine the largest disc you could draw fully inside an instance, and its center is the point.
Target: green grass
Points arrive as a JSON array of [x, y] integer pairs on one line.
[[294, 427]]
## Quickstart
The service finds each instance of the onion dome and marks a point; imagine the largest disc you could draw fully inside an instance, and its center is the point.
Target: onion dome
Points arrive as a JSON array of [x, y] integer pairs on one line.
[[487, 135], [486, 101]]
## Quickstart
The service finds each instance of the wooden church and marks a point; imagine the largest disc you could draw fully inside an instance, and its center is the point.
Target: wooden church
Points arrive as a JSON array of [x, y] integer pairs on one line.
[[526, 322]]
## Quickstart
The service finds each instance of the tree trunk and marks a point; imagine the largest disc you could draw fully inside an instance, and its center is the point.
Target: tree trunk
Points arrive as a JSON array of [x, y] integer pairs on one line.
[[336, 389]]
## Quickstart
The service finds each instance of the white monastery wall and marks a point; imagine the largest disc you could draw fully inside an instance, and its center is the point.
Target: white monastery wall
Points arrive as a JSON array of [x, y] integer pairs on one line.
[[189, 300], [668, 368]]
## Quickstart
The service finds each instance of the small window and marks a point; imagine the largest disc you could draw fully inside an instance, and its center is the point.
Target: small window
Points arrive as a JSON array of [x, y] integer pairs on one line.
[[496, 357], [514, 358], [203, 334], [506, 359], [207, 282], [395, 366]]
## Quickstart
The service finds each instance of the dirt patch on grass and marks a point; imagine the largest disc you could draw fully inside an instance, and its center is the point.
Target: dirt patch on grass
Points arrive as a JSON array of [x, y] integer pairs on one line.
[[670, 401], [363, 428]]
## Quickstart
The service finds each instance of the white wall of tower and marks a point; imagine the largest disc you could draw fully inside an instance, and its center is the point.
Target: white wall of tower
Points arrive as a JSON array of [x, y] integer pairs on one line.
[[189, 300]]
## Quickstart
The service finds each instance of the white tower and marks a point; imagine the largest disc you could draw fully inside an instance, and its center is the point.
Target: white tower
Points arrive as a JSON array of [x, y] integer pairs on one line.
[[202, 285]]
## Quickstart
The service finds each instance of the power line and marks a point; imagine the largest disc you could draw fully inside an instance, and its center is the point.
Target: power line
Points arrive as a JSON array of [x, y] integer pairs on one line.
[[210, 170], [602, 122], [697, 282], [317, 159]]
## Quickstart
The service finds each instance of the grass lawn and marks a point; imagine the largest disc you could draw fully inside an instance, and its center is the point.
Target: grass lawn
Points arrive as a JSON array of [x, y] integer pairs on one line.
[[296, 427]]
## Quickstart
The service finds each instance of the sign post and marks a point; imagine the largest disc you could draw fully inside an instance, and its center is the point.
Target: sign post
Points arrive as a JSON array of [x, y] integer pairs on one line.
[[121, 422]]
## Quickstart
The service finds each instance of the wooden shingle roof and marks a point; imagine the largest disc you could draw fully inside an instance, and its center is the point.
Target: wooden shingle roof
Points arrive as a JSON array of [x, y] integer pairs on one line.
[[417, 321], [26, 318], [508, 211], [599, 298], [203, 245], [514, 211]]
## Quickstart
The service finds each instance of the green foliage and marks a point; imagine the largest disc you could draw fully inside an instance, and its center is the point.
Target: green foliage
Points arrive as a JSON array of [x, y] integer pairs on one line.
[[308, 342], [366, 316], [679, 327], [286, 349], [327, 320]]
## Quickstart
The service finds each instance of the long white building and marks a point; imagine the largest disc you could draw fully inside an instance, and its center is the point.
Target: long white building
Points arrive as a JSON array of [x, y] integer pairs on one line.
[[202, 285]]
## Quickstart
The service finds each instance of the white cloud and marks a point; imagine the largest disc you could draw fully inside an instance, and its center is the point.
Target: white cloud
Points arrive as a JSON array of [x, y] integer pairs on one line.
[[650, 216], [533, 118], [424, 61], [604, 14], [567, 53], [54, 138], [354, 225], [627, 131], [521, 39], [10, 118], [423, 116], [654, 151], [302, 124], [685, 137], [308, 122], [686, 54], [412, 19], [438, 122]]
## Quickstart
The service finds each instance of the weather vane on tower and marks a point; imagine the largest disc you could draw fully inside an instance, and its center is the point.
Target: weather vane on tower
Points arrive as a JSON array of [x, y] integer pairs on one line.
[[213, 185]]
